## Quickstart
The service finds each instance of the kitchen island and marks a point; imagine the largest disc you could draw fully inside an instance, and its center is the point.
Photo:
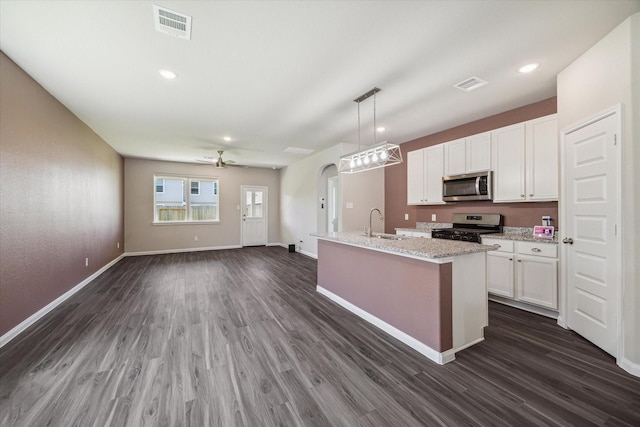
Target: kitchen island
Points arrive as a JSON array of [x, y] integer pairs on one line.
[[430, 294]]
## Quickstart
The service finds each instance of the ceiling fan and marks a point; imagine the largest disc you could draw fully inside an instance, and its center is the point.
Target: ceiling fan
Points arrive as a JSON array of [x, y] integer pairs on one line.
[[219, 163]]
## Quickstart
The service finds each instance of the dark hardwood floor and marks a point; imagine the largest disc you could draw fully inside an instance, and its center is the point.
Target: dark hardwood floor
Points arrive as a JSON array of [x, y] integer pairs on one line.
[[240, 337]]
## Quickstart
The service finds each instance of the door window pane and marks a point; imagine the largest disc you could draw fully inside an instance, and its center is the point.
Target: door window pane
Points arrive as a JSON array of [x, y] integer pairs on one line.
[[253, 204]]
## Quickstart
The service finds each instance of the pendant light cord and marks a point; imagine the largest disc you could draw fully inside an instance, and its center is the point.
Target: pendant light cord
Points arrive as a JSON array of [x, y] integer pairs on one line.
[[358, 125], [374, 119]]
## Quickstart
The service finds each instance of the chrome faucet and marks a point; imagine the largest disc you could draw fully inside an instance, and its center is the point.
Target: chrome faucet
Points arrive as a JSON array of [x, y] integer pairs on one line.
[[369, 233]]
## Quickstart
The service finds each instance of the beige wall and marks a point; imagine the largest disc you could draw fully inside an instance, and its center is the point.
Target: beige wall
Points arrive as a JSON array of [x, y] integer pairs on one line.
[[605, 75], [142, 236], [364, 191], [61, 198]]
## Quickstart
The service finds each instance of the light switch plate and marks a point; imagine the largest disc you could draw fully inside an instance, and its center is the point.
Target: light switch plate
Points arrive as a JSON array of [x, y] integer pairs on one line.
[[406, 217]]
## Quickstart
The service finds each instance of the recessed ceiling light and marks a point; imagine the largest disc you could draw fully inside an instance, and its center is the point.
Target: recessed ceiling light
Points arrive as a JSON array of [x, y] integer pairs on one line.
[[227, 138], [528, 68], [381, 129], [167, 74]]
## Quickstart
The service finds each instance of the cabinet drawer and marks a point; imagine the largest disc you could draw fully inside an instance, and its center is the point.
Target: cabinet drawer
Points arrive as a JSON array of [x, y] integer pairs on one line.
[[539, 249], [505, 245]]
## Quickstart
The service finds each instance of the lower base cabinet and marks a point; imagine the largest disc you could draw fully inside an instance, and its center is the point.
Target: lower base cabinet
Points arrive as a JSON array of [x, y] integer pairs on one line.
[[524, 271]]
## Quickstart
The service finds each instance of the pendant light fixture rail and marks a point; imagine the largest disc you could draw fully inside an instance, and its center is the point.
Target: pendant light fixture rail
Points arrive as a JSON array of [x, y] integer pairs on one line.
[[374, 156]]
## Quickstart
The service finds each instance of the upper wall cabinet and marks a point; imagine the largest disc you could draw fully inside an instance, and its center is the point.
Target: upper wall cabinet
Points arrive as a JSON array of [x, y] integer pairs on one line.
[[424, 176], [467, 155], [525, 161]]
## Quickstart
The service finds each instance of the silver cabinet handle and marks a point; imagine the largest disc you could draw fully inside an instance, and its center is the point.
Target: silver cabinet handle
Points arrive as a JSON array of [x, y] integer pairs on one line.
[[568, 240], [522, 195], [519, 260], [536, 250], [530, 195]]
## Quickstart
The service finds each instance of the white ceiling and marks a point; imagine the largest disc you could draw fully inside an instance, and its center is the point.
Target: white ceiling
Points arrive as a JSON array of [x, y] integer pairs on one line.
[[273, 75]]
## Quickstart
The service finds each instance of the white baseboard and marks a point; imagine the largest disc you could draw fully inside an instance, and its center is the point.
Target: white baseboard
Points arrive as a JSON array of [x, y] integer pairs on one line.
[[629, 366], [309, 254], [4, 339], [278, 244], [524, 306], [425, 350], [177, 251]]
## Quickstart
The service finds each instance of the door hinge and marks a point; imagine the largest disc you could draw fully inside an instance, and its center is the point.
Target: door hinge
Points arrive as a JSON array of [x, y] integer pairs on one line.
[[615, 229], [615, 139]]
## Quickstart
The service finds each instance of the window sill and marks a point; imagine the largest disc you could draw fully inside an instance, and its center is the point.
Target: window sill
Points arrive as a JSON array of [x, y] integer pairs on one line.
[[185, 222]]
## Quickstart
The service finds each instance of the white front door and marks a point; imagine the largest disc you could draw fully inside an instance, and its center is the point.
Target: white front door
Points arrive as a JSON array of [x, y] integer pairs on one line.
[[254, 216], [591, 238]]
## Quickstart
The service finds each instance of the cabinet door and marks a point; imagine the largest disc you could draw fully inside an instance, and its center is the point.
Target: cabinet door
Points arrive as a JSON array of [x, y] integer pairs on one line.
[[537, 279], [415, 177], [478, 152], [542, 158], [434, 169], [500, 274], [508, 152], [454, 157]]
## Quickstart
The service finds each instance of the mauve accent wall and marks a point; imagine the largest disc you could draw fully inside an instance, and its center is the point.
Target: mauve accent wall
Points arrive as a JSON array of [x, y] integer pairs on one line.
[[413, 296], [515, 214], [61, 198]]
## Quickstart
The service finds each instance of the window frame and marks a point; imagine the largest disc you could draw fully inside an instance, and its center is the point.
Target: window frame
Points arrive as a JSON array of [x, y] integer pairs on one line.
[[186, 195]]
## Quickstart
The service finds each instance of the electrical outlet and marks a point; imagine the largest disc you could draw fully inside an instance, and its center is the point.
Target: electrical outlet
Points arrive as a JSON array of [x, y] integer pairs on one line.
[[406, 217], [433, 217], [118, 245], [195, 238], [86, 262]]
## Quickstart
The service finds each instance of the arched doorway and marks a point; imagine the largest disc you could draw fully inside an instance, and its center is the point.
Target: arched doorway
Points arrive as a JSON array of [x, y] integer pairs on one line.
[[328, 199]]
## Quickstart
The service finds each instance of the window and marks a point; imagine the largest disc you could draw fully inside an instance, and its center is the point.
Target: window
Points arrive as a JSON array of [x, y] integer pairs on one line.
[[173, 203], [195, 188]]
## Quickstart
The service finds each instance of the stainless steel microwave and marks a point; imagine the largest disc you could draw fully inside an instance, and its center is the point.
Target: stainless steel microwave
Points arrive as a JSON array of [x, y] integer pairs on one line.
[[471, 186]]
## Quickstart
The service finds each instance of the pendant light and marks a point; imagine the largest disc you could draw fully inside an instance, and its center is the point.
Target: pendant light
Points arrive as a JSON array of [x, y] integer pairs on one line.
[[374, 156]]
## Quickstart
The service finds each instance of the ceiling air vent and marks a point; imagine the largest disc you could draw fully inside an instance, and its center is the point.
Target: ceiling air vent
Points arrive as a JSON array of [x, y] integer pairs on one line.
[[172, 23], [470, 84], [298, 150]]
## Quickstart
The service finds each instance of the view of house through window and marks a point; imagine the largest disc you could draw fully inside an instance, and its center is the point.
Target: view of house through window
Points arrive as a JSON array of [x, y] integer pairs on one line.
[[173, 203]]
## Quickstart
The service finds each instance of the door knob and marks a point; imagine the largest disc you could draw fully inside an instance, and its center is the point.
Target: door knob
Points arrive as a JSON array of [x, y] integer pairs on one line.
[[568, 240]]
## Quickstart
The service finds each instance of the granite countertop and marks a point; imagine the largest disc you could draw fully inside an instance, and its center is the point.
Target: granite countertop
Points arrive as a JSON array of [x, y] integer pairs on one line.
[[522, 234], [410, 246]]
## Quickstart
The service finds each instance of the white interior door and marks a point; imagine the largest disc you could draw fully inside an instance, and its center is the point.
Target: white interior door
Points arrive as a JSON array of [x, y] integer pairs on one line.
[[591, 243], [254, 216], [332, 204]]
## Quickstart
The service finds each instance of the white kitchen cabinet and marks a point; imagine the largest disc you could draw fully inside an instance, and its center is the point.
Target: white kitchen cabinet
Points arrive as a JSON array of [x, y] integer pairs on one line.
[[542, 158], [524, 271], [468, 155], [508, 163], [525, 161], [537, 274], [500, 274], [455, 157], [424, 176]]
